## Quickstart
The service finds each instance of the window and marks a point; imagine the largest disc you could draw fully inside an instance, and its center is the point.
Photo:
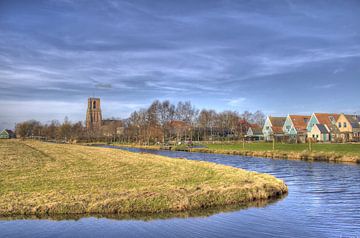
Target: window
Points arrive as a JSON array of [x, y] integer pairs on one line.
[[345, 125], [94, 105], [287, 127], [339, 124], [267, 128], [305, 120]]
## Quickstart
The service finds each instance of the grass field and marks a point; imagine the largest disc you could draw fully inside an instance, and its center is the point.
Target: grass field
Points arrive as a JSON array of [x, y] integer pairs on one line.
[[343, 149], [44, 178]]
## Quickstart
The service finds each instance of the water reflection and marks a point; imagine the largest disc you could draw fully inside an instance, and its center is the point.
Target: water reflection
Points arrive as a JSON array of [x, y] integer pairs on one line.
[[207, 212]]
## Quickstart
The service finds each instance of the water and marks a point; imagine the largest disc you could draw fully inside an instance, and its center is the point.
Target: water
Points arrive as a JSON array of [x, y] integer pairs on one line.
[[323, 201]]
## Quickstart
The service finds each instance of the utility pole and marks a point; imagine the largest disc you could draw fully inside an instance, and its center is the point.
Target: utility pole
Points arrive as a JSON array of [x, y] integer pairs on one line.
[[273, 145]]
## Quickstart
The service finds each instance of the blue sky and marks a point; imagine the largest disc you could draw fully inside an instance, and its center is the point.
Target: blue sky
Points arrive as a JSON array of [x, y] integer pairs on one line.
[[277, 56]]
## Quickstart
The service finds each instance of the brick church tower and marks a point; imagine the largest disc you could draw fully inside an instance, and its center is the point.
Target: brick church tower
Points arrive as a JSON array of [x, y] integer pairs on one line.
[[93, 114]]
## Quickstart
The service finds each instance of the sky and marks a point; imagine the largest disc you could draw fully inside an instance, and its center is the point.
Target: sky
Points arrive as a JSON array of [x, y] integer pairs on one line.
[[280, 57]]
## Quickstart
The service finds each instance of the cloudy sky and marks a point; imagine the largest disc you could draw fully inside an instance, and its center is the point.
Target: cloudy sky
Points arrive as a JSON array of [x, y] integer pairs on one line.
[[277, 56]]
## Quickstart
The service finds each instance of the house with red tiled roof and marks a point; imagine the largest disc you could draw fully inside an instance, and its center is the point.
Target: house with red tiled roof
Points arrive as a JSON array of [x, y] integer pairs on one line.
[[255, 132], [273, 128], [295, 127], [325, 119]]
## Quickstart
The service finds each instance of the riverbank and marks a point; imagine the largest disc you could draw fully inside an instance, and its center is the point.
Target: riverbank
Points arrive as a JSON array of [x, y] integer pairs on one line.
[[45, 178], [286, 151], [304, 155]]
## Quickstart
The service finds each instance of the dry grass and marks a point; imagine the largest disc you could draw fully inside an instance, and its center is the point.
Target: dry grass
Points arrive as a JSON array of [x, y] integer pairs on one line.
[[291, 155], [44, 178]]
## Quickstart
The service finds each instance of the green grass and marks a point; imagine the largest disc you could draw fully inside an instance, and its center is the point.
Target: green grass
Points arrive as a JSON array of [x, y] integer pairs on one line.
[[43, 178], [343, 149]]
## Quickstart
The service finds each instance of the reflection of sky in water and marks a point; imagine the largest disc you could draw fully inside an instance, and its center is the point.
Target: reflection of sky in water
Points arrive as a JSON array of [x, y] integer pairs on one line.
[[323, 201]]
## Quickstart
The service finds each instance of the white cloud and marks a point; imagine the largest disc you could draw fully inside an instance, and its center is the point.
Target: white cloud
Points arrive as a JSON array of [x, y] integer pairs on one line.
[[235, 102], [326, 86]]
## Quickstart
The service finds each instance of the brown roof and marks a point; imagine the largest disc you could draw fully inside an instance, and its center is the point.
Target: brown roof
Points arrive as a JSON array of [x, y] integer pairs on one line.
[[277, 121], [256, 129], [327, 118], [354, 120], [277, 130], [300, 122]]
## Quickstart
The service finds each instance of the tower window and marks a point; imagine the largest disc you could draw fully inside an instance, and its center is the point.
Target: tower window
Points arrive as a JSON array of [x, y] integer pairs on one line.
[[94, 105]]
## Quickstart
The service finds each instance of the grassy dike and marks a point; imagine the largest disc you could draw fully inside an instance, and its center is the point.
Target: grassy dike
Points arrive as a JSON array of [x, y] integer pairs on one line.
[[43, 178]]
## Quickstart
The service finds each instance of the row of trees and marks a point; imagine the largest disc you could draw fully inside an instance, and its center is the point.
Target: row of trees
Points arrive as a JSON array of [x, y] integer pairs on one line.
[[164, 122], [51, 131], [161, 122]]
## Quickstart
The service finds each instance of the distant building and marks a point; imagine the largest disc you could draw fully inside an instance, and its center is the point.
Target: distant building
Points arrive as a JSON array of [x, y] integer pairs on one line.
[[93, 114], [295, 127], [273, 128], [255, 132], [112, 127], [320, 132], [7, 134], [326, 119], [349, 127]]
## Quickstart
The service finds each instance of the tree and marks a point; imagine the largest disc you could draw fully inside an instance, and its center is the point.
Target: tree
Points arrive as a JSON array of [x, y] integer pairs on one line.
[[259, 118]]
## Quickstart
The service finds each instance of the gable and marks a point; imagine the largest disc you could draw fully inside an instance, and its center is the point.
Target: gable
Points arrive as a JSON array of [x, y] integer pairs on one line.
[[267, 126], [4, 133], [288, 125], [312, 122], [293, 131]]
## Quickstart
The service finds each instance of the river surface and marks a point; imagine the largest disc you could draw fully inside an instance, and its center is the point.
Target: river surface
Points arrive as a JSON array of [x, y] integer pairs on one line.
[[323, 201]]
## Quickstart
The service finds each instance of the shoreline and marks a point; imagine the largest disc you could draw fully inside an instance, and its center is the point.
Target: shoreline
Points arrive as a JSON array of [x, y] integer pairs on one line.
[[304, 156]]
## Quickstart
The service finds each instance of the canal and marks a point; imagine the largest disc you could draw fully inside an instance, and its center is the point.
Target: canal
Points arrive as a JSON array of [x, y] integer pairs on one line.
[[323, 201]]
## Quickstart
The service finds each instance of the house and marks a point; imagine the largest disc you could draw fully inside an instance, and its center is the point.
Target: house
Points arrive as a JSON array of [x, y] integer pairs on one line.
[[326, 119], [320, 132], [273, 128], [243, 127], [295, 127], [7, 134], [255, 132], [349, 127]]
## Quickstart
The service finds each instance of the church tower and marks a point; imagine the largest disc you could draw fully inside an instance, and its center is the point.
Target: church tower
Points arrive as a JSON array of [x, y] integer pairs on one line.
[[93, 114]]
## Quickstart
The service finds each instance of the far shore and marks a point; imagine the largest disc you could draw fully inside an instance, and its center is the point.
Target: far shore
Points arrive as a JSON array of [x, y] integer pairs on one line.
[[236, 149]]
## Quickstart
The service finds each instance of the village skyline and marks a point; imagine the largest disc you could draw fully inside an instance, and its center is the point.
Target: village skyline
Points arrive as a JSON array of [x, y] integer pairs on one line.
[[108, 112], [281, 58]]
